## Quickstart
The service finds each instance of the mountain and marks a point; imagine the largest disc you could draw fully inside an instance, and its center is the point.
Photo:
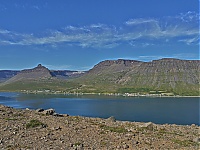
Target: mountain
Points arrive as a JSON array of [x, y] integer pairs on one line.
[[36, 73], [7, 74], [67, 74], [40, 78], [167, 74]]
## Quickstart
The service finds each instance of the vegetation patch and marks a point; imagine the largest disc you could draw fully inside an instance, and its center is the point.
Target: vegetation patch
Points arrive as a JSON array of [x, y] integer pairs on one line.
[[185, 143], [34, 123], [10, 119], [114, 129], [77, 144], [103, 143], [133, 90], [163, 131]]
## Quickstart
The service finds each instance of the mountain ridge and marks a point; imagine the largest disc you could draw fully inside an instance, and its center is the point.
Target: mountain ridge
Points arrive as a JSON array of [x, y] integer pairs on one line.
[[62, 74], [167, 74], [177, 76]]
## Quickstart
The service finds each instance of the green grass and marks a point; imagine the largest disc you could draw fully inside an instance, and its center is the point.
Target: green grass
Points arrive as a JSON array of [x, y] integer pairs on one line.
[[41, 84], [163, 131], [34, 123], [185, 143], [10, 119], [77, 144], [133, 90], [105, 83], [114, 129]]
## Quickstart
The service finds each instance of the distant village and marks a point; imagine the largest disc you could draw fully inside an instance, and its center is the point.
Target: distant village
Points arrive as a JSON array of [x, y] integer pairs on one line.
[[150, 94]]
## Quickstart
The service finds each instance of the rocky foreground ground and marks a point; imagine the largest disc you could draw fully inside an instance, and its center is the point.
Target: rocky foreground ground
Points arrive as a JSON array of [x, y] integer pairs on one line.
[[44, 129]]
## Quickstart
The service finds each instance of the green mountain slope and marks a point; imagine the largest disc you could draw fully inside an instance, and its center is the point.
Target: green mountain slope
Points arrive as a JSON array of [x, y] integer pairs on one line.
[[172, 76], [169, 75]]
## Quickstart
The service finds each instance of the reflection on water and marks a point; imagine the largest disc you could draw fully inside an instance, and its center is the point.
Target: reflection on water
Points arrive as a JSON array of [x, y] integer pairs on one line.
[[158, 110]]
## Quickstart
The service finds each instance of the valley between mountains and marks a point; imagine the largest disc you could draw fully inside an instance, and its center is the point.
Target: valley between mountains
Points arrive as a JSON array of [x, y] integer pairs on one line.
[[164, 77]]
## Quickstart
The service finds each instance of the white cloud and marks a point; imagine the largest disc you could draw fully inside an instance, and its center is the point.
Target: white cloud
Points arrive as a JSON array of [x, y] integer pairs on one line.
[[186, 55], [140, 21], [36, 7], [181, 28], [4, 31], [156, 57], [190, 41]]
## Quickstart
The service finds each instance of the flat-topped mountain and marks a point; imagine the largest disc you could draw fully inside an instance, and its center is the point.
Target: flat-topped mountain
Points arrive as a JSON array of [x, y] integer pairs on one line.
[[168, 74], [114, 66]]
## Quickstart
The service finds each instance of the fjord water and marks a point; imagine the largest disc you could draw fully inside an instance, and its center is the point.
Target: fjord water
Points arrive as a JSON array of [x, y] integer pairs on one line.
[[182, 110]]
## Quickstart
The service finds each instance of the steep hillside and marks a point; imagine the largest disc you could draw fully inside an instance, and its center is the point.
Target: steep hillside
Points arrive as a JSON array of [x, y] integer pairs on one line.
[[40, 78], [169, 75], [31, 74]]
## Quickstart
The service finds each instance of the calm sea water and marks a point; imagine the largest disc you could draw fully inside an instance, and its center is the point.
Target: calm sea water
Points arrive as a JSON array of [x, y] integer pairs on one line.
[[183, 111]]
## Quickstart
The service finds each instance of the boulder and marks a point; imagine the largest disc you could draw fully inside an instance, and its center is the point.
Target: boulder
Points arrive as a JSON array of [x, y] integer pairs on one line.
[[49, 111], [39, 110], [57, 115], [197, 139], [111, 119], [148, 126]]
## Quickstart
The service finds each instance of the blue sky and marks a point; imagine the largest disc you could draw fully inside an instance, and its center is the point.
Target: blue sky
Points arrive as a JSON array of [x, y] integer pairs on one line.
[[77, 34]]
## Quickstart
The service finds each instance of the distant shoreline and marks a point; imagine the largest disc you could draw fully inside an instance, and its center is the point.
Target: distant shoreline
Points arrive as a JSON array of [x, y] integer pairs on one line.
[[113, 94], [104, 94]]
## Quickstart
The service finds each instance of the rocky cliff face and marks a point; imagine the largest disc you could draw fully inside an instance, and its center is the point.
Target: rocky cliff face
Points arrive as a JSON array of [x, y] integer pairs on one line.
[[112, 66], [165, 71]]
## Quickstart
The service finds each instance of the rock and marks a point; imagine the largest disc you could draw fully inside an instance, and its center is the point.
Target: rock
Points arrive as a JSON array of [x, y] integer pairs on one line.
[[39, 110], [193, 125], [65, 115], [111, 119], [125, 146], [49, 112], [118, 147], [162, 128], [57, 115], [197, 139], [148, 126], [57, 128], [135, 142]]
